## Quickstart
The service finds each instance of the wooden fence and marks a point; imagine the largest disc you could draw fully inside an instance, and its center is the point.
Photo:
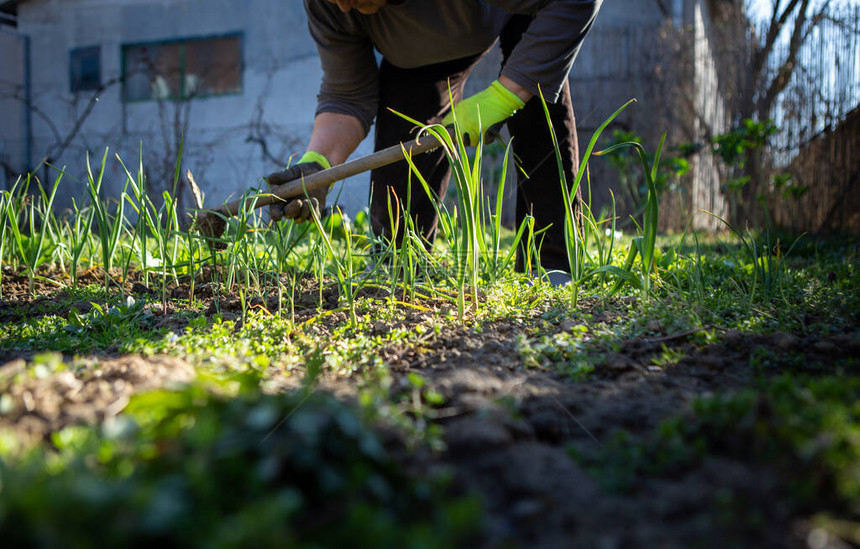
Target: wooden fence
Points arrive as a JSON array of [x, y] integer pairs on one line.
[[827, 170], [819, 132]]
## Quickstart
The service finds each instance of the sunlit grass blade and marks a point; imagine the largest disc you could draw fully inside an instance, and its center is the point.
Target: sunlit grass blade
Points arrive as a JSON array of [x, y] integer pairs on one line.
[[110, 227], [643, 245], [573, 228], [8, 223], [36, 243], [3, 224]]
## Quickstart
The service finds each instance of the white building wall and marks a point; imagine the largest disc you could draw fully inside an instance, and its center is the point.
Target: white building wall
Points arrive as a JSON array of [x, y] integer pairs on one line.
[[13, 114], [280, 82]]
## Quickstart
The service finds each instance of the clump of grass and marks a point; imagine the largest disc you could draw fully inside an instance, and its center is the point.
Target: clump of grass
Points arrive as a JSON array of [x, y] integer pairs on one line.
[[344, 267], [36, 245], [159, 223], [78, 234], [643, 245], [574, 230], [4, 198], [765, 261], [465, 229], [563, 351], [803, 427], [8, 216], [110, 226]]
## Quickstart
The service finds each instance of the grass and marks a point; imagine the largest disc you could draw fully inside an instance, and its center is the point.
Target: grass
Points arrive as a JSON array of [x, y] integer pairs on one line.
[[152, 243], [37, 241], [273, 469], [805, 427], [249, 452], [109, 226], [239, 359]]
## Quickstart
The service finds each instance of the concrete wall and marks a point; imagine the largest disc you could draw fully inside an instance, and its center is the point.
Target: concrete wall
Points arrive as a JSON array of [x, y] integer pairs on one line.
[[225, 136], [13, 114], [224, 133], [710, 118], [627, 55], [669, 66]]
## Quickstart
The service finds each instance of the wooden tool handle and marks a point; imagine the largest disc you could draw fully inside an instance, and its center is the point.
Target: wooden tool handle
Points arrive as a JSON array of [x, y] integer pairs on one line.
[[323, 178]]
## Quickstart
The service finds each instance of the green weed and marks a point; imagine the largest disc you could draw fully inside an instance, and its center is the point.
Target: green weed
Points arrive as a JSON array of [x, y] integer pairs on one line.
[[564, 351], [805, 428], [110, 226], [246, 469], [36, 244]]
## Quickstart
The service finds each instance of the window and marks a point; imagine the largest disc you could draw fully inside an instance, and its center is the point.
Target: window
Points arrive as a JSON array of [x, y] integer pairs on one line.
[[183, 69], [85, 69]]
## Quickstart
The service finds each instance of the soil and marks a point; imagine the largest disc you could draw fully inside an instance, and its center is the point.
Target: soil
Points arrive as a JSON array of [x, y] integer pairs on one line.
[[507, 428]]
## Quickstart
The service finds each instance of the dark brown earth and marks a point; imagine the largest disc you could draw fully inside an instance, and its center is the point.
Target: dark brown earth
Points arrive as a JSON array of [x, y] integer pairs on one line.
[[507, 428]]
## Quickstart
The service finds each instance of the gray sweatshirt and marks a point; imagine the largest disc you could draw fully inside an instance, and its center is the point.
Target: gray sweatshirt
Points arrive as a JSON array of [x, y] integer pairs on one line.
[[422, 32]]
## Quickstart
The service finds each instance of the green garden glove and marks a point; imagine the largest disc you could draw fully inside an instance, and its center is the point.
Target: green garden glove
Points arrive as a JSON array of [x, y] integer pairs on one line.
[[483, 110], [300, 209]]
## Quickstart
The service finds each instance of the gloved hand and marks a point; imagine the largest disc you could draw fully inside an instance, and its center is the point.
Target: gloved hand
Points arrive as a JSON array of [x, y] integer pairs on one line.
[[299, 209], [491, 106]]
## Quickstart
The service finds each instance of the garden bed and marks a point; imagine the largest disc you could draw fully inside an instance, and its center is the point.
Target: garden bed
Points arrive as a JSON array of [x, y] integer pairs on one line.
[[692, 416]]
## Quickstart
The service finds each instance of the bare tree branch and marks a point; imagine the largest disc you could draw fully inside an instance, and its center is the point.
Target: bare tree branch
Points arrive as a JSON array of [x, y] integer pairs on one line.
[[61, 142], [60, 147], [777, 22], [663, 9], [801, 31]]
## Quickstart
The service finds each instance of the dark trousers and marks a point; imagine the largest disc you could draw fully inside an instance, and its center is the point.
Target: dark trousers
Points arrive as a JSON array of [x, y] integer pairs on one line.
[[422, 93]]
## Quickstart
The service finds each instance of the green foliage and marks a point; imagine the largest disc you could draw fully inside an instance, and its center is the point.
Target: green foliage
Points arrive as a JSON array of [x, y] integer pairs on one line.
[[667, 356], [807, 428], [788, 187], [5, 204], [227, 465], [189, 468], [126, 325], [78, 234], [734, 146], [644, 245], [762, 263], [563, 351], [110, 226], [463, 229], [349, 284], [36, 243], [736, 149], [634, 184], [108, 324]]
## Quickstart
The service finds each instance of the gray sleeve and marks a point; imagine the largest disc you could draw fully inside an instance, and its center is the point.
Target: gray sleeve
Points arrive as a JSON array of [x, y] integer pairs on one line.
[[547, 50], [350, 74]]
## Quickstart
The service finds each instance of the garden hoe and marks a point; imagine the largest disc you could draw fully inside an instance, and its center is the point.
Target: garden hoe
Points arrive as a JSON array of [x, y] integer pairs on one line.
[[212, 223]]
